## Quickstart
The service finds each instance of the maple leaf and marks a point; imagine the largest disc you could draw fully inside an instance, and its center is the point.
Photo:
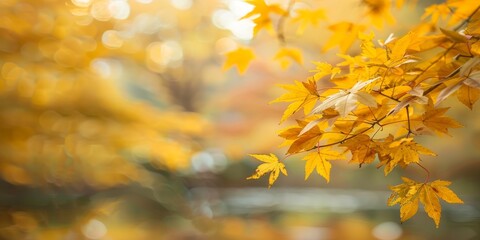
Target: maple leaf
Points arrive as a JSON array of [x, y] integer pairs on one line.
[[464, 8], [302, 140], [346, 101], [307, 17], [431, 203], [468, 95], [319, 161], [344, 34], [440, 188], [410, 193], [434, 119], [323, 69], [399, 48], [435, 12], [301, 94], [260, 14], [404, 151], [271, 165], [362, 149], [241, 57], [379, 11], [469, 75], [286, 55]]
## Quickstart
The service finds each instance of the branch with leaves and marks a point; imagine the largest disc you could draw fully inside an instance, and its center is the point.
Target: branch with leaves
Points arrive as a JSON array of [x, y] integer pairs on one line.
[[383, 97]]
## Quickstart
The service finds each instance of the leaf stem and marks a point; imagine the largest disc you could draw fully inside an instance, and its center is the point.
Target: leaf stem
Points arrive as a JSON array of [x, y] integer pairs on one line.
[[427, 178], [408, 120], [281, 23]]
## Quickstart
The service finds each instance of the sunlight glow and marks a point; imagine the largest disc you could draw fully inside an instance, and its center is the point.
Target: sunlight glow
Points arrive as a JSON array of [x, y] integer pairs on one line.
[[231, 19], [182, 4]]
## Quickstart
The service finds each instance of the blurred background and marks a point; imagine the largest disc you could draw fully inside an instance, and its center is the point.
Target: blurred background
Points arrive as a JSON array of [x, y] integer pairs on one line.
[[117, 121]]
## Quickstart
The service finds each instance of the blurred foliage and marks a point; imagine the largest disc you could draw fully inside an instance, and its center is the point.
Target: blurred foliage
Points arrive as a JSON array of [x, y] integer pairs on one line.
[[62, 122]]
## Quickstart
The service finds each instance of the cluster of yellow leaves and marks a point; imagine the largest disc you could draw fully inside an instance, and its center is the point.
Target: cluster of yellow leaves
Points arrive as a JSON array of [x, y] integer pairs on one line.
[[386, 96], [265, 13], [410, 193]]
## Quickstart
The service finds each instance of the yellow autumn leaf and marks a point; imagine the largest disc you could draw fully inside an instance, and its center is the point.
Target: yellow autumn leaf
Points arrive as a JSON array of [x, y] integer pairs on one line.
[[433, 118], [305, 140], [468, 95], [399, 50], [379, 11], [408, 210], [344, 35], [241, 57], [463, 9], [306, 17], [404, 152], [410, 193], [286, 55], [362, 149], [440, 187], [301, 94], [260, 14], [319, 161], [431, 203], [270, 165], [323, 69], [436, 12]]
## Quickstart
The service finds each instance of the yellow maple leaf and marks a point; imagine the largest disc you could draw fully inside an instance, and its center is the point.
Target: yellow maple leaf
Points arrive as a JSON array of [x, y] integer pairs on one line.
[[379, 11], [404, 152], [302, 140], [463, 9], [319, 161], [260, 14], [323, 69], [306, 17], [468, 95], [241, 57], [270, 165], [408, 209], [436, 12], [346, 101], [398, 56], [440, 187], [362, 149], [410, 193], [301, 94], [431, 203], [433, 118], [344, 34], [286, 55]]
